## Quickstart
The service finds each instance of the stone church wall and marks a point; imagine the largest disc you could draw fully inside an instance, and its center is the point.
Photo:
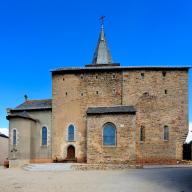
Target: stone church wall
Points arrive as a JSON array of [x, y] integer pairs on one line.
[[160, 101], [72, 95], [28, 147], [40, 153], [22, 149], [160, 98], [125, 149]]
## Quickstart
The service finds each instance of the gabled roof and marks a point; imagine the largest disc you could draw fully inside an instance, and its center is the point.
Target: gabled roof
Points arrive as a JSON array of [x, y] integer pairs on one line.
[[34, 105], [22, 114], [111, 110]]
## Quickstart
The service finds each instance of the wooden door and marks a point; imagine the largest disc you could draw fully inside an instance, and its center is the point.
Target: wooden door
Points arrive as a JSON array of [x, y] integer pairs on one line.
[[71, 152]]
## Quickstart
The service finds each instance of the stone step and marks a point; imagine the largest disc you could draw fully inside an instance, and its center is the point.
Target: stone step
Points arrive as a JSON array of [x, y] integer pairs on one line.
[[48, 167]]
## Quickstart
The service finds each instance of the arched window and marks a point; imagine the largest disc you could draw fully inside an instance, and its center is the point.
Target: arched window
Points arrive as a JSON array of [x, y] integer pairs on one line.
[[71, 133], [109, 134], [14, 136], [44, 136]]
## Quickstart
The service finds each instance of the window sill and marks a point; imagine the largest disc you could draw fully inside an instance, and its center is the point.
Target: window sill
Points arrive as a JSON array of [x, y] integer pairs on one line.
[[44, 146], [109, 146]]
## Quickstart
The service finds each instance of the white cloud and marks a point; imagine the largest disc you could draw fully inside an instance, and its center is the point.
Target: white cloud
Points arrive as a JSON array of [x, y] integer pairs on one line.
[[189, 137], [4, 131]]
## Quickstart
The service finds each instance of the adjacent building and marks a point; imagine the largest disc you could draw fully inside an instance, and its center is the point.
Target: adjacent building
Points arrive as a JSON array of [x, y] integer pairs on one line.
[[4, 143]]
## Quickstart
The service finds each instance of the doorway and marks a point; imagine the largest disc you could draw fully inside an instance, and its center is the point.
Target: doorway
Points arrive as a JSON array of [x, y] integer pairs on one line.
[[71, 152]]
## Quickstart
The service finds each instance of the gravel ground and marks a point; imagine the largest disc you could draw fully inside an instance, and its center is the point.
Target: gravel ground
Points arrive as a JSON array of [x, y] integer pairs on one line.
[[133, 180]]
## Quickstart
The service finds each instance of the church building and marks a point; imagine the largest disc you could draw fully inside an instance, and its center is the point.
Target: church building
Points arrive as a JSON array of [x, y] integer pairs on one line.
[[104, 113]]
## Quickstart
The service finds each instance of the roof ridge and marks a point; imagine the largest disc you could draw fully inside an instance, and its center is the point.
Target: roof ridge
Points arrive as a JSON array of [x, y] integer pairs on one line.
[[38, 100]]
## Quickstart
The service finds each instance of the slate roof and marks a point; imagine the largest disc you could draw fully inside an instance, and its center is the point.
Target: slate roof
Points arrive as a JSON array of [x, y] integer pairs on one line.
[[102, 53], [34, 105], [105, 67], [2, 135], [111, 110], [22, 114]]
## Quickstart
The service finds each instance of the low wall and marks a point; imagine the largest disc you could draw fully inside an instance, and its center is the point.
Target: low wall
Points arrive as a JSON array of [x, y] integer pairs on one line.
[[84, 167]]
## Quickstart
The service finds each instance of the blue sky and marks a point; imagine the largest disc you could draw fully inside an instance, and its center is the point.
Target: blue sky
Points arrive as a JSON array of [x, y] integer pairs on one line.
[[37, 36]]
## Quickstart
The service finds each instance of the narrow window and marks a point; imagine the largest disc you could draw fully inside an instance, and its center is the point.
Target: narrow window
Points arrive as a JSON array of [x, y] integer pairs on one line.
[[81, 76], [44, 136], [142, 133], [142, 75], [166, 133], [97, 92], [113, 76], [66, 93], [14, 137], [109, 135], [165, 91], [71, 133], [164, 74], [96, 76], [81, 94]]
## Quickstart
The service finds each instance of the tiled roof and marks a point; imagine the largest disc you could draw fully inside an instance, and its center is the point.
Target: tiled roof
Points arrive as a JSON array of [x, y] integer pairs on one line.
[[110, 110], [34, 105], [22, 114], [118, 68], [2, 135]]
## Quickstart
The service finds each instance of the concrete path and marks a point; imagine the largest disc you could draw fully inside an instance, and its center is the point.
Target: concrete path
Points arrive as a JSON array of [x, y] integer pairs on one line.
[[167, 166], [132, 180], [49, 167]]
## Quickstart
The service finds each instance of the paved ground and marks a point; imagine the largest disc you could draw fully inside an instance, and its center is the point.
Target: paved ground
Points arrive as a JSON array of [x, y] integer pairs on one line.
[[133, 180]]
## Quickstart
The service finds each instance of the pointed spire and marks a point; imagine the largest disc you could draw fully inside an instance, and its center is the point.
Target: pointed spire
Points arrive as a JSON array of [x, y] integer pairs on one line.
[[102, 54]]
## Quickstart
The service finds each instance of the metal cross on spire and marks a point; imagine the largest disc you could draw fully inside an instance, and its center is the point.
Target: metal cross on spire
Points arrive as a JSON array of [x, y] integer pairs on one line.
[[102, 20]]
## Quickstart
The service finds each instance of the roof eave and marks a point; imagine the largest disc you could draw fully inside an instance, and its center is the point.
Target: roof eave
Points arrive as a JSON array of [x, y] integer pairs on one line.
[[19, 116], [115, 68]]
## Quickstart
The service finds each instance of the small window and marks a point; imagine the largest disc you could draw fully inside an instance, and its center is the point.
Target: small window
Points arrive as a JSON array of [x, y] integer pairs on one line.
[[14, 137], [165, 91], [63, 79], [113, 76], [44, 136], [164, 73], [81, 94], [66, 93], [142, 133], [97, 92], [166, 133], [81, 76], [96, 77], [142, 75], [146, 94], [114, 90], [71, 133], [109, 135]]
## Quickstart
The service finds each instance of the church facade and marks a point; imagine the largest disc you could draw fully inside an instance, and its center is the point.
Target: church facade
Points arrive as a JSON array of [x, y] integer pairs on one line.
[[104, 113]]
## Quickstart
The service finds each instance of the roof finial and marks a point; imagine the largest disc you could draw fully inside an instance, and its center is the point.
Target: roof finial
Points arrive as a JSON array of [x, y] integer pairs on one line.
[[26, 97], [102, 21]]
